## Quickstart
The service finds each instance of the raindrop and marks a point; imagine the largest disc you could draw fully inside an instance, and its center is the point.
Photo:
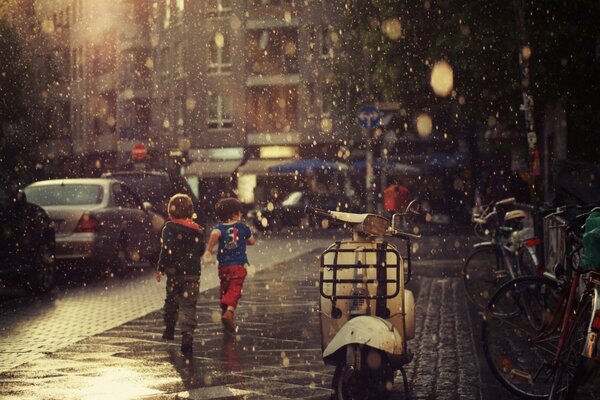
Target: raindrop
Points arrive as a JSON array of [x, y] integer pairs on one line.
[[526, 52], [442, 78], [190, 103], [424, 125], [392, 28], [215, 316], [219, 40], [235, 23], [287, 16], [326, 125]]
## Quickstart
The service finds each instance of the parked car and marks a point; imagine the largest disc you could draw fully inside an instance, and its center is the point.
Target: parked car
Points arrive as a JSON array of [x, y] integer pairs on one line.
[[156, 187], [28, 242], [291, 211], [99, 220]]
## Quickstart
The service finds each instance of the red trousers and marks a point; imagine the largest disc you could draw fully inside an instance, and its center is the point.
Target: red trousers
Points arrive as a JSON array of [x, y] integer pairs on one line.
[[232, 281]]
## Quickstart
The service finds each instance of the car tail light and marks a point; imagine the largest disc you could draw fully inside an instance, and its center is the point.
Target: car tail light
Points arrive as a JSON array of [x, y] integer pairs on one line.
[[87, 223], [533, 242], [596, 322]]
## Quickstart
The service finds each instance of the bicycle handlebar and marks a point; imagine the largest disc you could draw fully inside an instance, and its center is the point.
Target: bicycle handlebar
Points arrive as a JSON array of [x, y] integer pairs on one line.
[[507, 201]]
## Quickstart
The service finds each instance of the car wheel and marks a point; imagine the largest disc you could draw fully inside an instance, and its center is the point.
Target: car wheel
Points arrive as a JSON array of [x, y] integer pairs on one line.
[[42, 277]]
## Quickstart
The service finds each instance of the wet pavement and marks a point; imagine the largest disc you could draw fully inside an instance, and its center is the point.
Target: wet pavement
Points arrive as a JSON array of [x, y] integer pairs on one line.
[[276, 353]]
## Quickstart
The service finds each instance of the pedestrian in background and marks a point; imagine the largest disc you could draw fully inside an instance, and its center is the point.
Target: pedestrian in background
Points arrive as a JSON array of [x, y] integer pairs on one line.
[[232, 236], [396, 197], [182, 246]]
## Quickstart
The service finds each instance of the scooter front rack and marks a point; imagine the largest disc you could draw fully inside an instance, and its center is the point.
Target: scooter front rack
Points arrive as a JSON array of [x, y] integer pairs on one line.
[[381, 266]]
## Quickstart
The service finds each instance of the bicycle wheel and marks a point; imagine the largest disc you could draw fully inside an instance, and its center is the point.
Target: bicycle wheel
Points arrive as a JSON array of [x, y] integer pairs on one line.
[[520, 332], [482, 274], [572, 369], [527, 264]]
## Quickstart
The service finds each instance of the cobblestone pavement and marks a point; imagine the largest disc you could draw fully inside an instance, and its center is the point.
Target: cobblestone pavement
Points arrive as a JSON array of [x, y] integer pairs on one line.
[[276, 354], [31, 327]]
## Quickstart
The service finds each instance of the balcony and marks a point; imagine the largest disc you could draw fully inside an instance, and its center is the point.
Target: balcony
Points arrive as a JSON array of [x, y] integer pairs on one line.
[[272, 51]]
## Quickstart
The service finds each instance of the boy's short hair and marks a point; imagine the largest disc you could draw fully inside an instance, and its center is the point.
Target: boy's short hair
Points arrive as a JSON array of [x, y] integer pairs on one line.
[[227, 208], [181, 206]]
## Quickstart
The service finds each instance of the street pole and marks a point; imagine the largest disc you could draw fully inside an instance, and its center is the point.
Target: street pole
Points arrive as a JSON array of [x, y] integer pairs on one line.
[[527, 106], [368, 135]]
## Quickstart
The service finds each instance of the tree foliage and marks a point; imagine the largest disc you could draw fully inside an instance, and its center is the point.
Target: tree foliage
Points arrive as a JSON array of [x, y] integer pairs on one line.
[[22, 124], [13, 73], [480, 40]]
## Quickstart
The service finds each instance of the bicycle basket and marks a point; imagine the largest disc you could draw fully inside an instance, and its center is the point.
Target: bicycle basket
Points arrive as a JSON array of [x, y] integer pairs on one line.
[[591, 242]]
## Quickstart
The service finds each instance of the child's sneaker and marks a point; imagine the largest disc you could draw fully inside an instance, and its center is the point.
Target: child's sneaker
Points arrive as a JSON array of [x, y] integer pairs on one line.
[[187, 343], [227, 320]]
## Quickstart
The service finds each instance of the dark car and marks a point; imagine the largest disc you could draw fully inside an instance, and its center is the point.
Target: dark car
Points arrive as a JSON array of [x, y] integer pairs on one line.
[[156, 187], [291, 211], [28, 244]]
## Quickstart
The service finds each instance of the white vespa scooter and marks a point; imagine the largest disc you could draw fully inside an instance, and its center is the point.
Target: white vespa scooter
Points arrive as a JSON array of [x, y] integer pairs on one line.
[[367, 315]]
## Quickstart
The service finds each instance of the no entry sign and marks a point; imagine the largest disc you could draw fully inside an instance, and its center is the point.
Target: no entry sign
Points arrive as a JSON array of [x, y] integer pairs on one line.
[[139, 151]]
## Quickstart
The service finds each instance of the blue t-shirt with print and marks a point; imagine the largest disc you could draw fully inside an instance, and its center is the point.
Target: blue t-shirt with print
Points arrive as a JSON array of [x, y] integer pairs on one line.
[[232, 243]]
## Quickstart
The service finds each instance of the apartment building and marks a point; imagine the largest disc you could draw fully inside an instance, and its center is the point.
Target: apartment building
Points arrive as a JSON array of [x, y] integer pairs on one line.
[[242, 85], [235, 86]]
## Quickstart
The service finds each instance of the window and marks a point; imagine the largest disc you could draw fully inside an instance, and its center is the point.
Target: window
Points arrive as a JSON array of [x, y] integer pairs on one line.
[[65, 195], [219, 111], [219, 54], [326, 102], [177, 10], [179, 55], [326, 38], [272, 51], [180, 117], [167, 17], [310, 100], [123, 197], [272, 109], [219, 8]]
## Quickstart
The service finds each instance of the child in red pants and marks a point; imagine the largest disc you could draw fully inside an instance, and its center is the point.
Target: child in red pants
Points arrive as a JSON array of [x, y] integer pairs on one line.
[[232, 236]]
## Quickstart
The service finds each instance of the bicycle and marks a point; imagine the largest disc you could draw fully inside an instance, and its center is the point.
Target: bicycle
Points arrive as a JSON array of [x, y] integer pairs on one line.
[[509, 253], [540, 333]]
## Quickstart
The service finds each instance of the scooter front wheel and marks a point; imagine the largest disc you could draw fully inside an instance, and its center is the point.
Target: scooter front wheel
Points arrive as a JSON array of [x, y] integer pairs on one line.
[[349, 384]]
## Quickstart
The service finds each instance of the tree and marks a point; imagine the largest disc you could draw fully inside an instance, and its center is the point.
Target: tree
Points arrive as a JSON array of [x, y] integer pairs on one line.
[[480, 41], [396, 66], [21, 108]]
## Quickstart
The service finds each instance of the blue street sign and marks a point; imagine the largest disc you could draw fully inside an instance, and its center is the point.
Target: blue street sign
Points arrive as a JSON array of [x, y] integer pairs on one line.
[[368, 116]]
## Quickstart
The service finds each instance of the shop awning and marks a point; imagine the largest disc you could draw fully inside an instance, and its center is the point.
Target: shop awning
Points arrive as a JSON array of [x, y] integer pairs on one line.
[[212, 168], [258, 167], [393, 167], [303, 166]]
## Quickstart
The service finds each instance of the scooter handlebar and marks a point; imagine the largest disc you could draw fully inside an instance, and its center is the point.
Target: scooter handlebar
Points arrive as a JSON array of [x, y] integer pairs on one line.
[[317, 211]]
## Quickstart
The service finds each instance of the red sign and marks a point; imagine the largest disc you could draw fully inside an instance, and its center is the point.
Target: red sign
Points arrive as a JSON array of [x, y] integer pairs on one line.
[[139, 151]]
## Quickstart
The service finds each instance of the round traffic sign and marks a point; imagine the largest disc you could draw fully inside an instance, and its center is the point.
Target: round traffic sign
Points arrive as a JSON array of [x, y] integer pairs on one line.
[[139, 151], [368, 116]]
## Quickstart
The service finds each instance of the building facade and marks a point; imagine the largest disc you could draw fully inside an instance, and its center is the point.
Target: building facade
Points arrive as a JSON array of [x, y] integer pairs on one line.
[[223, 89], [242, 85]]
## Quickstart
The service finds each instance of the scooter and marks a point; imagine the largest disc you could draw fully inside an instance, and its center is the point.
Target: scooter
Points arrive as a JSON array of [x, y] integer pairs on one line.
[[367, 315]]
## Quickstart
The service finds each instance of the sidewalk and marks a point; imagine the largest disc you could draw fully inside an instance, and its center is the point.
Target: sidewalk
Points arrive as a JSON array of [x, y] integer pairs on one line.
[[275, 355]]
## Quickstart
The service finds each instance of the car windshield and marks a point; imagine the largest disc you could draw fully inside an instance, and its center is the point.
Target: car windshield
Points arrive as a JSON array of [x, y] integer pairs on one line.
[[65, 195], [152, 188], [292, 199]]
